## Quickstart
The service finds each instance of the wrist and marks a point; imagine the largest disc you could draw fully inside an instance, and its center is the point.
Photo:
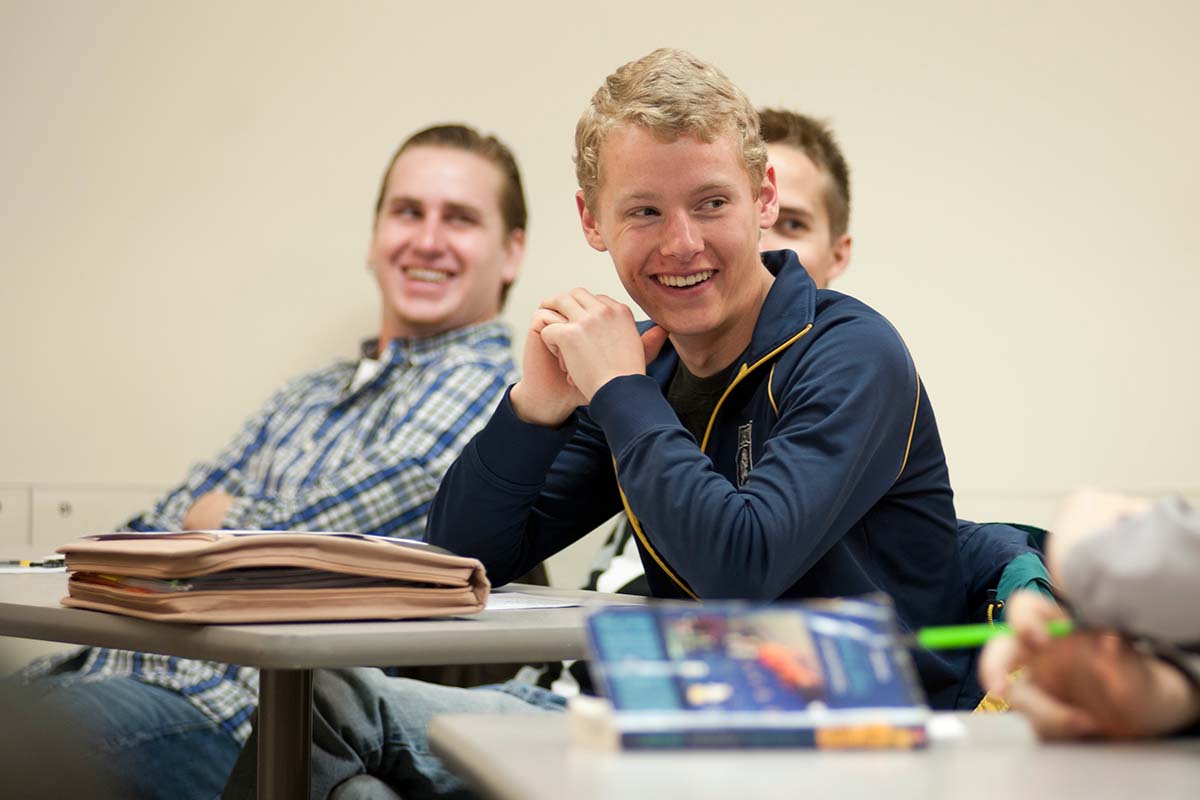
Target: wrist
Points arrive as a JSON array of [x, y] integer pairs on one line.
[[536, 413], [1177, 697]]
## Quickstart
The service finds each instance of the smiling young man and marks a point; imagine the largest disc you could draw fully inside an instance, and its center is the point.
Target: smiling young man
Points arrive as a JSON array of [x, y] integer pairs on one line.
[[449, 233], [780, 443], [812, 179], [355, 446], [767, 441]]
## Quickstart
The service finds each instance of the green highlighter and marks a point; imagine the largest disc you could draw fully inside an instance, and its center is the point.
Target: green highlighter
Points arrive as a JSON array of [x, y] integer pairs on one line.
[[961, 637]]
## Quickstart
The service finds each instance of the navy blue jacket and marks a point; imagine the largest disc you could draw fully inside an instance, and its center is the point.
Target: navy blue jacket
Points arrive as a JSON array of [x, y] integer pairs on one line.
[[822, 474]]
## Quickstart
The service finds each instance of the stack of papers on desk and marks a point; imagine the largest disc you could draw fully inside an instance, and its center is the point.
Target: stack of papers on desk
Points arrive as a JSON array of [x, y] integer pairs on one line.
[[252, 576], [827, 674]]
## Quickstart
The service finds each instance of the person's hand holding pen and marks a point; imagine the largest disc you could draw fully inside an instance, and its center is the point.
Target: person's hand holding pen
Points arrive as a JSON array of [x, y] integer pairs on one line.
[[1093, 683], [1088, 684]]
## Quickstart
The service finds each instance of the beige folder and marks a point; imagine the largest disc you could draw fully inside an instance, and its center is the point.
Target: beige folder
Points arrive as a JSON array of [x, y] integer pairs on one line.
[[244, 576]]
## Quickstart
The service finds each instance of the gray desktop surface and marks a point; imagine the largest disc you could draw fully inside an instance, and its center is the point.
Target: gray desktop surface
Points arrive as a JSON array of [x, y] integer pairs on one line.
[[30, 608], [529, 757], [287, 653]]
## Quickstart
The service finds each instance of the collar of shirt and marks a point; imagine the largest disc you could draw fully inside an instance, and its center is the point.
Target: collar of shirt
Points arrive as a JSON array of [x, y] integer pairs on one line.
[[429, 348], [415, 352]]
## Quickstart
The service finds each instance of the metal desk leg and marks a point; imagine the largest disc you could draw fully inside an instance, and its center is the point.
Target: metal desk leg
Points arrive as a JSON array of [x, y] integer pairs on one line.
[[284, 733]]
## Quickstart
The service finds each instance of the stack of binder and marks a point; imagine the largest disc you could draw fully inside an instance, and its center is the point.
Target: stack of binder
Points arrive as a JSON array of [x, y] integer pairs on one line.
[[276, 576]]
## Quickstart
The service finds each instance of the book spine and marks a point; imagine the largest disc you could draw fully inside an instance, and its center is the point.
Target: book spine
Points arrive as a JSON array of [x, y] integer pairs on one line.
[[856, 737]]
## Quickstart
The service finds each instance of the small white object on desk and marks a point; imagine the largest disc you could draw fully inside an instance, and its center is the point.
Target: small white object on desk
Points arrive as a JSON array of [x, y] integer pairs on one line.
[[945, 728], [508, 601], [590, 722], [26, 566]]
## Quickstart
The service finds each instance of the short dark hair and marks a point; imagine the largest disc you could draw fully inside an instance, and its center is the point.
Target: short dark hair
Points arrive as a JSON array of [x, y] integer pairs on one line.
[[513, 211], [814, 138]]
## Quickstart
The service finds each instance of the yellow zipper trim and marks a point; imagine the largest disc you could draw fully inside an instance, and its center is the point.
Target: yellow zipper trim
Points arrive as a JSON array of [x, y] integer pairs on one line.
[[742, 373], [911, 428], [770, 394], [637, 529]]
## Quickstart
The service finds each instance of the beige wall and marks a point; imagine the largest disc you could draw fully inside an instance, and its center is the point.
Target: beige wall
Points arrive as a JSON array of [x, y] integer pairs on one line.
[[185, 197]]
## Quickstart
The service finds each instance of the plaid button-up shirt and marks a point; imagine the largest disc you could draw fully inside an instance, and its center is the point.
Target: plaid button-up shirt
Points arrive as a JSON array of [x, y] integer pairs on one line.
[[324, 454]]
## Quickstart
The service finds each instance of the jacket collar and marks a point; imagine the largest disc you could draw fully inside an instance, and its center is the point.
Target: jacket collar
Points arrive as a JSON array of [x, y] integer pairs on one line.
[[791, 305]]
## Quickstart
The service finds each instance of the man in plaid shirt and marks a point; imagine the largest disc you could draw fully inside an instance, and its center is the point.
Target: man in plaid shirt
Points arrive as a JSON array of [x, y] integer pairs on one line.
[[356, 446]]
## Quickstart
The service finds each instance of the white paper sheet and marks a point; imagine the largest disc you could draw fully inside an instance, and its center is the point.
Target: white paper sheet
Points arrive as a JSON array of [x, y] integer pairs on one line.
[[15, 569], [507, 601]]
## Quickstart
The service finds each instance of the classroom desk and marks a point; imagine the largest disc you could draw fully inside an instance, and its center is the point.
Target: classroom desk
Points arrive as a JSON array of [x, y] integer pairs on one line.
[[288, 653], [531, 758]]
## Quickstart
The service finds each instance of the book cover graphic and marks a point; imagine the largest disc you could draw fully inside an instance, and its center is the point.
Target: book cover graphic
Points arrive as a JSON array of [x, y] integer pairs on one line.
[[826, 674]]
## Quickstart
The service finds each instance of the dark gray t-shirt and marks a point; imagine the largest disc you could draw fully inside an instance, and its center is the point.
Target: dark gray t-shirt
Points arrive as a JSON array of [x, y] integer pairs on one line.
[[695, 398]]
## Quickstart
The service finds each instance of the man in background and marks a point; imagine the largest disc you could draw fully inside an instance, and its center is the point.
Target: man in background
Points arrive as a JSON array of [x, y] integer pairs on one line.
[[356, 446], [813, 179]]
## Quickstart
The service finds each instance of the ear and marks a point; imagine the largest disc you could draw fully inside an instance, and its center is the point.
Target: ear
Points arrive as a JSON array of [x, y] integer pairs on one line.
[[768, 200], [371, 263], [591, 228], [514, 255], [841, 257]]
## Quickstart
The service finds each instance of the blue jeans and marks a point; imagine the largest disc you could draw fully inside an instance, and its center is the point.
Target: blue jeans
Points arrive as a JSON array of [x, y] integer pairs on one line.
[[367, 724], [151, 742]]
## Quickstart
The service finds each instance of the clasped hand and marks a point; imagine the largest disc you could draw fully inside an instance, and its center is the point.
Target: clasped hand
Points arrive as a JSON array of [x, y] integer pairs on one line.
[[577, 342]]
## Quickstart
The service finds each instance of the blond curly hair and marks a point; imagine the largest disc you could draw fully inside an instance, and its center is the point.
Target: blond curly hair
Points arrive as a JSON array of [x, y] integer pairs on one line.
[[671, 93]]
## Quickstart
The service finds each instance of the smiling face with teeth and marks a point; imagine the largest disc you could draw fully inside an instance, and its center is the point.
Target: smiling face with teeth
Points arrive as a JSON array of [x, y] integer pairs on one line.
[[681, 220], [440, 251]]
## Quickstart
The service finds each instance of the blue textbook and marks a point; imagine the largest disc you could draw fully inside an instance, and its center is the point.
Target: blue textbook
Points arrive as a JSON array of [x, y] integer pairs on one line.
[[827, 673]]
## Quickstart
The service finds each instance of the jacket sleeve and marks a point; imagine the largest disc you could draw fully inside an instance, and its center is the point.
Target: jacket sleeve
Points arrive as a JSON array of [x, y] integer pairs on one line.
[[845, 416], [387, 488], [1140, 574], [520, 493]]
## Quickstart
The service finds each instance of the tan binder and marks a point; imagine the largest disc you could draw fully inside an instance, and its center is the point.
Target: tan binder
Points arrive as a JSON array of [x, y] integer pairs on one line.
[[251, 576]]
